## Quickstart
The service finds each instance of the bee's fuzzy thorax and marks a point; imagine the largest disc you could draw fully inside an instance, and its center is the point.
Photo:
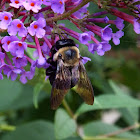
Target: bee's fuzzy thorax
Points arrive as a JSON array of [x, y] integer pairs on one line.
[[63, 50]]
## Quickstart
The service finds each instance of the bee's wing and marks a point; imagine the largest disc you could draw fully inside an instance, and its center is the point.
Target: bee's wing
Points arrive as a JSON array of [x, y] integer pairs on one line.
[[83, 86], [61, 84]]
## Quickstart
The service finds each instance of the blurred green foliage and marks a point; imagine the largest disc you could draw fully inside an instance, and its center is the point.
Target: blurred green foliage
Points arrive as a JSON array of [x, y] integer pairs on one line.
[[25, 112]]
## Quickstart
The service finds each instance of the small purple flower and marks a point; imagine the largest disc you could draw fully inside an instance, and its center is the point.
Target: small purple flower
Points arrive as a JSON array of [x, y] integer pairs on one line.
[[106, 46], [92, 48], [30, 74], [7, 40], [33, 66], [116, 37], [13, 73], [90, 33], [35, 54], [45, 48], [1, 76], [119, 23], [29, 38], [36, 28], [23, 78], [38, 15], [2, 55], [41, 61], [16, 3], [106, 33], [102, 48], [5, 19], [20, 62], [6, 68], [16, 26], [136, 26], [81, 12], [106, 19], [17, 48], [138, 7], [99, 20], [76, 1], [48, 29], [84, 38], [26, 75], [58, 6], [85, 60], [34, 5], [46, 2]]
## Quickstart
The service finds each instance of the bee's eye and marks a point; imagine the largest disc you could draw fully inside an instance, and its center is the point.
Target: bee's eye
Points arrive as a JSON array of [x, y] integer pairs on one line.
[[59, 55]]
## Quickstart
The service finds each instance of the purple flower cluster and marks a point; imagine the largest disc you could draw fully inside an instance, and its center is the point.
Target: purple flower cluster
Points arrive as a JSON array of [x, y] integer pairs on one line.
[[33, 24]]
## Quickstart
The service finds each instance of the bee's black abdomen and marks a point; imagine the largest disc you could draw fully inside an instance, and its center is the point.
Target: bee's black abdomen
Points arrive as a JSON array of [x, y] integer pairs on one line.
[[64, 43], [52, 78], [53, 50], [49, 70], [49, 60]]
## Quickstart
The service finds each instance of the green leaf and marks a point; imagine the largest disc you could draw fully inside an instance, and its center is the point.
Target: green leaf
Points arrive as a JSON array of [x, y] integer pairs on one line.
[[94, 138], [129, 114], [73, 138], [116, 88], [25, 98], [14, 95], [99, 128], [131, 75], [109, 102], [37, 88], [64, 125], [9, 91], [37, 130]]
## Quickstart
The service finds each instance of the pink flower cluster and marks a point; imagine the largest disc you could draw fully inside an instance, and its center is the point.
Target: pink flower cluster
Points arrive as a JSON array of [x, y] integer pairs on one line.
[[32, 24]]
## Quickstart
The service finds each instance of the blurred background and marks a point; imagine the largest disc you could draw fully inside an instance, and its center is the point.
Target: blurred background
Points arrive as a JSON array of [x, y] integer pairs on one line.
[[25, 109]]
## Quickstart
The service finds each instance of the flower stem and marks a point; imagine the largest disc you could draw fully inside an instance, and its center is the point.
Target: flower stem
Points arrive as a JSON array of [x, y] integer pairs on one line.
[[135, 126], [31, 46], [5, 127], [38, 46], [68, 109], [69, 13], [47, 42]]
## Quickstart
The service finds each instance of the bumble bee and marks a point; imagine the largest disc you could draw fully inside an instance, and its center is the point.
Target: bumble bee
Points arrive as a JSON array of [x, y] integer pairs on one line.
[[66, 70]]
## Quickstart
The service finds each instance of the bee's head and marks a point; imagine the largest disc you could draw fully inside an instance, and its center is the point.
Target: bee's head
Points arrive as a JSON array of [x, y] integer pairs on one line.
[[64, 43], [69, 55]]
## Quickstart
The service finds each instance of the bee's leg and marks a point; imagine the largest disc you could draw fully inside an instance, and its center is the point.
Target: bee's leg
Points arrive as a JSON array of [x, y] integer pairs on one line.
[[51, 71]]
